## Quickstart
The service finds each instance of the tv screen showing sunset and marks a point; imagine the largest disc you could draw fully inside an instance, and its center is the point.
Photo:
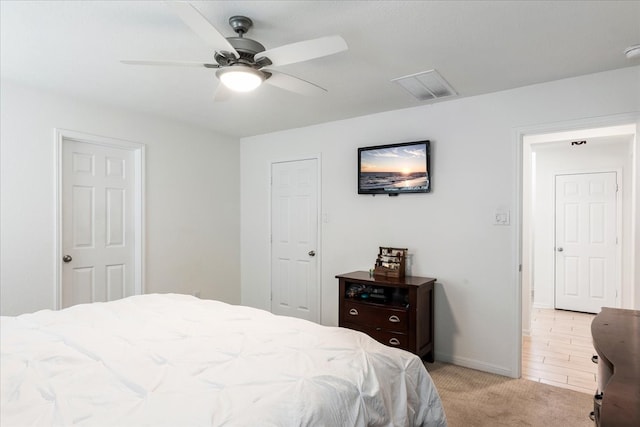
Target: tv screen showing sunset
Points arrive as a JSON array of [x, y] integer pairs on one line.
[[401, 168]]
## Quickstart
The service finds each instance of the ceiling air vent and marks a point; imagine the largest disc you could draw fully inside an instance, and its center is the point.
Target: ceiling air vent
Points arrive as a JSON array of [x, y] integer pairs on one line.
[[426, 86]]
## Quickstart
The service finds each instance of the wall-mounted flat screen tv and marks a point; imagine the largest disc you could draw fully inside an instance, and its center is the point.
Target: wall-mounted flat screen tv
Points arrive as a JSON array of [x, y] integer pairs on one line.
[[394, 168]]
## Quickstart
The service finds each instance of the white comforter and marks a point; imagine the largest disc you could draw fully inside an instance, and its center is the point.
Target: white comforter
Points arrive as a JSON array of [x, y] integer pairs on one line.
[[175, 360]]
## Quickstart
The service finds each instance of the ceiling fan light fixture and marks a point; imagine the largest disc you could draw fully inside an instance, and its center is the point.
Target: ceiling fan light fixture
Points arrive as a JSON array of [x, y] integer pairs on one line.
[[240, 78]]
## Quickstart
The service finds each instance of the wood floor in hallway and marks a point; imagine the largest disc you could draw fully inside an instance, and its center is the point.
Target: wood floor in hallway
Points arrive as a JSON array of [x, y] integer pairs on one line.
[[559, 349]]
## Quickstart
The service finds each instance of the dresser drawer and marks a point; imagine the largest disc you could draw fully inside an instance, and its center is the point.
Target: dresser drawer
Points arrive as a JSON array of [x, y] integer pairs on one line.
[[376, 317], [392, 339], [400, 314]]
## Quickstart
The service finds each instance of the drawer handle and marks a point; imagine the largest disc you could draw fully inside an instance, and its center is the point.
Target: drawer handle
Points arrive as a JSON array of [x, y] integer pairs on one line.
[[353, 312], [394, 319], [594, 358], [394, 341]]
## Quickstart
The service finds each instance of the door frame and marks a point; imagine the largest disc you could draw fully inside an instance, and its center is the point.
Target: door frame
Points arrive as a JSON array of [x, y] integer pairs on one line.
[[522, 272], [618, 261], [319, 289], [138, 149]]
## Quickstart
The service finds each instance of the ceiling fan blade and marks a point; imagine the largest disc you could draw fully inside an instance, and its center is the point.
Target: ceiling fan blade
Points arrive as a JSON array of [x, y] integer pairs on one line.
[[201, 26], [293, 84], [171, 63], [304, 51]]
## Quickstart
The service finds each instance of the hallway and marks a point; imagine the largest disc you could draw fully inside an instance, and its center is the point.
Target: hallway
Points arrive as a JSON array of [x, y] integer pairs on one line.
[[559, 350]]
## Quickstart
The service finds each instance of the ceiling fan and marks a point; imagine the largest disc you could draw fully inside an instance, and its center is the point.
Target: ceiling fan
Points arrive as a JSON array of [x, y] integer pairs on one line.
[[242, 63]]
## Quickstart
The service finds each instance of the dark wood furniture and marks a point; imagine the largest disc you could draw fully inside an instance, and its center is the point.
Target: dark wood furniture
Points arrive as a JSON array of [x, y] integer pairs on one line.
[[395, 311], [616, 338]]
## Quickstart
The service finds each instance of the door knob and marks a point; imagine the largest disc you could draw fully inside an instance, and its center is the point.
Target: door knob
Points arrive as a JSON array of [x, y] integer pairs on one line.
[[560, 249], [67, 258], [312, 253]]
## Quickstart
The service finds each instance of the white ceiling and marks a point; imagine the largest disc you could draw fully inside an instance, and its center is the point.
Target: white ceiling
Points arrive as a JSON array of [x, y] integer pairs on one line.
[[74, 47]]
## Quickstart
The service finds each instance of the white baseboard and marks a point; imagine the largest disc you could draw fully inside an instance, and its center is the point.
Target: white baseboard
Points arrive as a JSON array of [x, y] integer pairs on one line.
[[475, 364], [545, 306]]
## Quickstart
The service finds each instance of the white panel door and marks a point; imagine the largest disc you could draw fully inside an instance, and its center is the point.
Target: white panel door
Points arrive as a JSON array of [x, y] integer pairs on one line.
[[294, 238], [586, 244], [97, 232]]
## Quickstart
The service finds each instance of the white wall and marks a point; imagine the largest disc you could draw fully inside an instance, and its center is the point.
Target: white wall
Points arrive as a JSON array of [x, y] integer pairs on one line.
[[449, 232], [599, 154], [192, 200]]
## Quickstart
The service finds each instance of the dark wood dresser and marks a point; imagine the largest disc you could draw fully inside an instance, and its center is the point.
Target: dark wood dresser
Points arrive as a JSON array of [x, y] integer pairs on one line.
[[395, 311], [616, 338]]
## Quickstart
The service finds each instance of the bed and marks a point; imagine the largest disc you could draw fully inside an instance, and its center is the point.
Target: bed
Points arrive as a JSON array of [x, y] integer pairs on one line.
[[176, 360]]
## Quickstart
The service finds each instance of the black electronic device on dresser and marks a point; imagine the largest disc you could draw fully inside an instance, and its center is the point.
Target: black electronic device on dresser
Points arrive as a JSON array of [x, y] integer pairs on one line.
[[395, 311]]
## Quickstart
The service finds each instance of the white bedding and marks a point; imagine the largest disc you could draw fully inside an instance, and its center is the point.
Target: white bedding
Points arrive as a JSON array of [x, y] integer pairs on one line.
[[175, 360]]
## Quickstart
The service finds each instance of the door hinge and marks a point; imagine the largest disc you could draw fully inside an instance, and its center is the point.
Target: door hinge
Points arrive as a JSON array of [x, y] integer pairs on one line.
[[520, 268]]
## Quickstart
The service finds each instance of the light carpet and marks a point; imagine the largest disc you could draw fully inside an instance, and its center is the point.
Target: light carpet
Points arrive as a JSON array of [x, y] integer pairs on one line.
[[473, 398]]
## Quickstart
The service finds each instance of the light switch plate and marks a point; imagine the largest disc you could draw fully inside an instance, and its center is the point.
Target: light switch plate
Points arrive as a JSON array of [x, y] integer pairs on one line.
[[502, 217]]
